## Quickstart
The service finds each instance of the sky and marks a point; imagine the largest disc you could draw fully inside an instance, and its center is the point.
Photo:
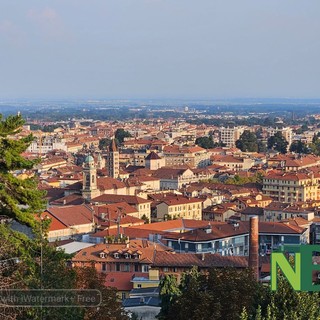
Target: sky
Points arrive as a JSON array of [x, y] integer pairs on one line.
[[159, 49]]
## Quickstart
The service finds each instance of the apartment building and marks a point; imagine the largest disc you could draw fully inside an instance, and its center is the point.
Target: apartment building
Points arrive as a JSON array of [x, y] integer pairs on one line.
[[44, 144], [193, 156], [286, 132], [292, 186], [180, 207], [229, 135]]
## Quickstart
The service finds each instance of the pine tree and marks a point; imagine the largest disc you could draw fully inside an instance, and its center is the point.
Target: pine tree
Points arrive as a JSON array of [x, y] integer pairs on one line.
[[34, 263], [19, 199]]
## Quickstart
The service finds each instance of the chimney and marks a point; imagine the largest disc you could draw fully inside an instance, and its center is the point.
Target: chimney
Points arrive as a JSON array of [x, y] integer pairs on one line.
[[254, 246]]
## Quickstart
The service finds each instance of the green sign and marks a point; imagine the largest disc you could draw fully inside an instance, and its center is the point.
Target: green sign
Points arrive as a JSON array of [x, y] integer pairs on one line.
[[300, 275]]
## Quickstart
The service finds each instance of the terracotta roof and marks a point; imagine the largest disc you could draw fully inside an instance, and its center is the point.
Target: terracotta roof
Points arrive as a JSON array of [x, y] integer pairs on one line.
[[228, 159], [122, 280], [289, 176], [71, 199], [187, 260], [169, 173], [55, 223], [144, 248], [113, 198], [108, 183], [72, 215], [178, 224], [152, 156], [222, 229]]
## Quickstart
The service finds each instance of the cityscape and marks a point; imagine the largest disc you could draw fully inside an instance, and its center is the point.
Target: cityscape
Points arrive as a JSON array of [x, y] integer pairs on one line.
[[159, 160]]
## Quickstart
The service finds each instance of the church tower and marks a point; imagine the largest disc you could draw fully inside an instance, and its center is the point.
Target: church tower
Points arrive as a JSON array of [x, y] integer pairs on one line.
[[100, 162], [112, 160], [89, 188]]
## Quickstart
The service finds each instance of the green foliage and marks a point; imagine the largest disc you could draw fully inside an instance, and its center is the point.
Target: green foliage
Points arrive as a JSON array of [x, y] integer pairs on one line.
[[257, 178], [262, 147], [39, 264], [247, 142], [120, 134], [145, 218], [221, 294], [299, 147], [104, 143], [110, 308], [278, 143], [302, 129], [19, 199], [314, 147], [205, 142], [169, 291]]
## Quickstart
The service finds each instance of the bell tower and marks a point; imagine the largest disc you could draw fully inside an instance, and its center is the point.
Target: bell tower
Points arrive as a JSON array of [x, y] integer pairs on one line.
[[89, 188], [112, 161]]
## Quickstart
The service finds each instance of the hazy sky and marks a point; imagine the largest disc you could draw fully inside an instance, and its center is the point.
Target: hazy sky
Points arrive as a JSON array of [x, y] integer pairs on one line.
[[160, 48]]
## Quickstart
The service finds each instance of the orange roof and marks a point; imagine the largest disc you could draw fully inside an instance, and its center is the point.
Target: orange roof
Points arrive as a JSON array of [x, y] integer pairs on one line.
[[55, 223], [122, 280]]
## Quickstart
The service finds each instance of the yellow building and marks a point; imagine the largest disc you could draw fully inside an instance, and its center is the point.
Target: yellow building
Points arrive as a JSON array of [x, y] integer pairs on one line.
[[291, 186], [180, 207], [152, 281]]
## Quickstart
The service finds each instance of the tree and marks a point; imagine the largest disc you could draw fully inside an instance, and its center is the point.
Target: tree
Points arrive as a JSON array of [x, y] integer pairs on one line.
[[29, 263], [278, 143], [104, 143], [205, 142], [19, 199], [120, 134], [299, 147], [247, 142], [262, 147], [221, 294], [145, 218], [110, 307], [169, 291], [286, 303]]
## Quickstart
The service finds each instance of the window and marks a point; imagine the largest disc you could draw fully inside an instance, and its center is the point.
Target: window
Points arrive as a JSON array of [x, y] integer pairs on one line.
[[126, 267], [117, 266], [104, 266], [139, 285], [136, 267], [145, 268], [123, 295]]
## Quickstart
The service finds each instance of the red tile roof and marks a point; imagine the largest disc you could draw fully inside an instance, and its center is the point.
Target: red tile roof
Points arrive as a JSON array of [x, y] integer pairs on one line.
[[122, 280], [113, 198], [187, 260]]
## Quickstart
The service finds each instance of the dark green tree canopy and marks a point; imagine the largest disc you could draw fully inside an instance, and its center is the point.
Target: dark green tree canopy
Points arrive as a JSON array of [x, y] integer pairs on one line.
[[247, 142], [219, 295], [120, 134], [104, 143], [299, 147], [205, 142], [278, 143]]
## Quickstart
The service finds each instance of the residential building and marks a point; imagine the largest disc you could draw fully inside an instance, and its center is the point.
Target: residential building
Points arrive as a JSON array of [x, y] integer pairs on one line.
[[179, 207], [232, 162], [233, 238], [192, 156], [174, 178], [229, 135], [285, 131], [291, 186]]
